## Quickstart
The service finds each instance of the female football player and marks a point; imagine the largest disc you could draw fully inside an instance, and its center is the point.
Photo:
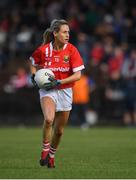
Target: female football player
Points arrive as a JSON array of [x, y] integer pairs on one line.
[[57, 54]]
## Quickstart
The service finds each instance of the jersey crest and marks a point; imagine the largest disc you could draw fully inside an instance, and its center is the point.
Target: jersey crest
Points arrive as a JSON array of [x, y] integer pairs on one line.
[[66, 58]]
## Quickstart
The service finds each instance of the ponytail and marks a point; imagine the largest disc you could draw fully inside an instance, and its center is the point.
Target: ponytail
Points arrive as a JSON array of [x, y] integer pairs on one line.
[[47, 36]]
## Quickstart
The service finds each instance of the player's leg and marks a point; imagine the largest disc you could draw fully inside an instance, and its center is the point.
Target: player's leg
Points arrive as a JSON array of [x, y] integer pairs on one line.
[[48, 109], [61, 120]]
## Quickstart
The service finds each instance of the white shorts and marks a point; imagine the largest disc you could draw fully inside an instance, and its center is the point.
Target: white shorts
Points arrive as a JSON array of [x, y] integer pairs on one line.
[[62, 98]]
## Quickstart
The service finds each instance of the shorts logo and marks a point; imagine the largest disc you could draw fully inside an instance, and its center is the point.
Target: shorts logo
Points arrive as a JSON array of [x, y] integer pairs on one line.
[[66, 58]]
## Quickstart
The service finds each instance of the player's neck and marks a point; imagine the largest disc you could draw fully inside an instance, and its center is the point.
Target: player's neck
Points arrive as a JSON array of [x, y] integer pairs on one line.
[[58, 46]]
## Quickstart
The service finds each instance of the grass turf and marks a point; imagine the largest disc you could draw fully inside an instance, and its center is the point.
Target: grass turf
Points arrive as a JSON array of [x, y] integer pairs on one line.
[[95, 153]]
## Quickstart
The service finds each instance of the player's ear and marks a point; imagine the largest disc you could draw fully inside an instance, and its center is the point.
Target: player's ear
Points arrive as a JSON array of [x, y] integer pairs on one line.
[[55, 33]]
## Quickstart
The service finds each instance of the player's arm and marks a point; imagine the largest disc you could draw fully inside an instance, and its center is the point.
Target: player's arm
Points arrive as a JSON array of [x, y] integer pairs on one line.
[[34, 61], [33, 70], [74, 77]]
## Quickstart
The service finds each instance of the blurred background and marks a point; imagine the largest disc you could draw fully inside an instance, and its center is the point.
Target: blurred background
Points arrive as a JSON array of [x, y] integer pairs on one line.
[[104, 31]]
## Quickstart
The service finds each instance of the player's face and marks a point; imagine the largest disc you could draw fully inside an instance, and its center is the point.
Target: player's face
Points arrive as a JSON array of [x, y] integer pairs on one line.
[[63, 35]]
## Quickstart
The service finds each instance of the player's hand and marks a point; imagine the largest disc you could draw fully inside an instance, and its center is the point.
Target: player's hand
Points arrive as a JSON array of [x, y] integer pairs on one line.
[[52, 84], [33, 81]]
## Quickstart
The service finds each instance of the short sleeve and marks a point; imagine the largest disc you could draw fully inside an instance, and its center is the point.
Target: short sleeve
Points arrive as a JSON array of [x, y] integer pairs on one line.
[[76, 60], [35, 57]]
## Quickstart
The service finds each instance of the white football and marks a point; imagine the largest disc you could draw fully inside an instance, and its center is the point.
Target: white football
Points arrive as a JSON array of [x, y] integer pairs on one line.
[[42, 77]]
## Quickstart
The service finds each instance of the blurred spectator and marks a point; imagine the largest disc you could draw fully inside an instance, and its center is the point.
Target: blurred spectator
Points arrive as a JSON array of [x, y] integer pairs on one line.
[[92, 16], [129, 73], [83, 46], [80, 101], [23, 40], [3, 58], [3, 37], [4, 28], [115, 95], [116, 61], [96, 57], [17, 81], [131, 33], [91, 114], [97, 53], [53, 10]]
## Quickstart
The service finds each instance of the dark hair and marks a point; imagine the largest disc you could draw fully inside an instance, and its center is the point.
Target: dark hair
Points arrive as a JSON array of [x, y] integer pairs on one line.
[[54, 26]]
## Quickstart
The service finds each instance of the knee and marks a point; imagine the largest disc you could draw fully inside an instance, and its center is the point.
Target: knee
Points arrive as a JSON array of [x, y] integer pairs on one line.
[[58, 132], [48, 122]]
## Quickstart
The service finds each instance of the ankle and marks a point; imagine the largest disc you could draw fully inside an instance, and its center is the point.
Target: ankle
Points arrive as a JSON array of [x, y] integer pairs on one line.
[[46, 145], [52, 152]]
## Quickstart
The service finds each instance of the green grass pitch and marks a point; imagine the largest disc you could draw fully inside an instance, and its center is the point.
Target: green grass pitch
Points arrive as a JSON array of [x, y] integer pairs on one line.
[[95, 153]]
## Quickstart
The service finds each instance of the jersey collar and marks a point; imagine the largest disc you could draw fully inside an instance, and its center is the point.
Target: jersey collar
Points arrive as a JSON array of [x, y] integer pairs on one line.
[[51, 46]]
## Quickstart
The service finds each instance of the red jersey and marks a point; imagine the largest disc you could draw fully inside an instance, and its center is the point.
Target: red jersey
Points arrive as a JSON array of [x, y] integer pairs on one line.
[[63, 63]]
